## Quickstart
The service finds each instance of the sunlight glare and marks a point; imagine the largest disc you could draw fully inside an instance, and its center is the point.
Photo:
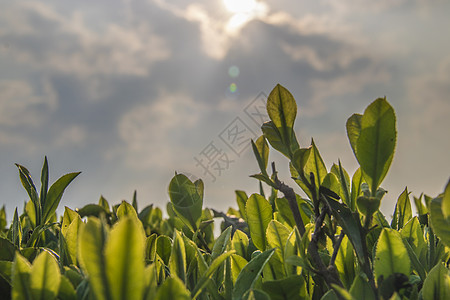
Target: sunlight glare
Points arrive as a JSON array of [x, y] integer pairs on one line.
[[240, 6]]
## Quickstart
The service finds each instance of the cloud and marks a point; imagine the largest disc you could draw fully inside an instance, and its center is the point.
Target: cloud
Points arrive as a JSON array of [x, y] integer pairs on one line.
[[41, 37], [24, 104], [148, 130]]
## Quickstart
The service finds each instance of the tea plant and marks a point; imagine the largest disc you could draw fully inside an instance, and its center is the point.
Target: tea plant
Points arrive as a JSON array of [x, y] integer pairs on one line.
[[332, 244]]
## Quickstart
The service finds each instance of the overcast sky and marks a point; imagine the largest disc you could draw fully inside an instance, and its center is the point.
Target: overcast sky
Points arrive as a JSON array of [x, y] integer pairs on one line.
[[128, 92]]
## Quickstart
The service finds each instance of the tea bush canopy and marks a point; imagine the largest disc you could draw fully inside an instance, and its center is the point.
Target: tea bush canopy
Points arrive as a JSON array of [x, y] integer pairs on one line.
[[318, 234]]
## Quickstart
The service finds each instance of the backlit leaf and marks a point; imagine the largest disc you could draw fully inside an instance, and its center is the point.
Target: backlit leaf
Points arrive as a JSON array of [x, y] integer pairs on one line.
[[259, 214], [437, 283], [172, 288], [45, 277], [125, 256], [391, 255], [186, 199], [376, 142]]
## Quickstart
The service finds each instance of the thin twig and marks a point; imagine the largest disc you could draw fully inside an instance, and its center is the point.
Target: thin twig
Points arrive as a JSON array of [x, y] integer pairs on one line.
[[289, 194], [336, 248]]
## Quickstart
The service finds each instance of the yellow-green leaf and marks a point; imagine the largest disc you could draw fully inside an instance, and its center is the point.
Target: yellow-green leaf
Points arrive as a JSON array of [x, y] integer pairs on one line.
[[259, 214], [125, 256], [391, 255], [45, 277]]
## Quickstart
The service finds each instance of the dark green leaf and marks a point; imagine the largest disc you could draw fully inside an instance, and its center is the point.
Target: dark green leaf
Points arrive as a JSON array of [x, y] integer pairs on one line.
[[177, 261], [54, 195], [250, 273]]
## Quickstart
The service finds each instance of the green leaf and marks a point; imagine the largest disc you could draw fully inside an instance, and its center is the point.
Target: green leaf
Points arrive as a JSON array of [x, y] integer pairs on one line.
[[344, 181], [240, 243], [439, 223], [391, 255], [187, 200], [93, 210], [277, 236], [241, 199], [289, 288], [255, 294], [29, 186], [315, 165], [357, 180], [125, 256], [237, 264], [54, 195], [6, 270], [353, 126], [164, 248], [21, 273], [331, 182], [44, 183], [126, 209], [446, 201], [250, 273], [361, 289], [210, 271], [345, 262], [69, 216], [259, 214], [275, 139], [221, 243], [16, 231], [351, 225], [282, 110], [177, 261], [261, 151], [45, 277], [66, 290], [403, 211], [71, 239], [437, 283], [172, 288], [376, 143], [92, 240]]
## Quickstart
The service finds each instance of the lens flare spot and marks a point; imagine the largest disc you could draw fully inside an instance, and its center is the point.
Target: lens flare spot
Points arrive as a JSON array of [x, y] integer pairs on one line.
[[233, 71], [233, 88]]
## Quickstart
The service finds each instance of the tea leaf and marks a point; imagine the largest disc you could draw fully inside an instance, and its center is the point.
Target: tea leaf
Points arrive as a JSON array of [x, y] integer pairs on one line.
[[376, 142], [177, 261], [54, 195], [403, 211], [353, 126], [361, 289], [259, 214], [91, 244], [172, 288], [45, 277], [391, 255], [21, 273], [282, 110], [292, 288], [261, 151], [187, 200], [439, 223], [437, 283], [250, 273], [446, 201], [124, 252]]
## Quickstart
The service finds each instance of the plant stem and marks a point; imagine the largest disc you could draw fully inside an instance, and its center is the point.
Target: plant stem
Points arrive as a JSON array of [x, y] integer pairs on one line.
[[292, 200]]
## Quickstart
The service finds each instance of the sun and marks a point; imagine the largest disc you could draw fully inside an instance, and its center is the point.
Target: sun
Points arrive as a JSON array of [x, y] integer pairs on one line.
[[240, 6]]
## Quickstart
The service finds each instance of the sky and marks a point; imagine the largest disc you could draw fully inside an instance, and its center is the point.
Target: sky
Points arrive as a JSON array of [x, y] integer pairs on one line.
[[129, 92]]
